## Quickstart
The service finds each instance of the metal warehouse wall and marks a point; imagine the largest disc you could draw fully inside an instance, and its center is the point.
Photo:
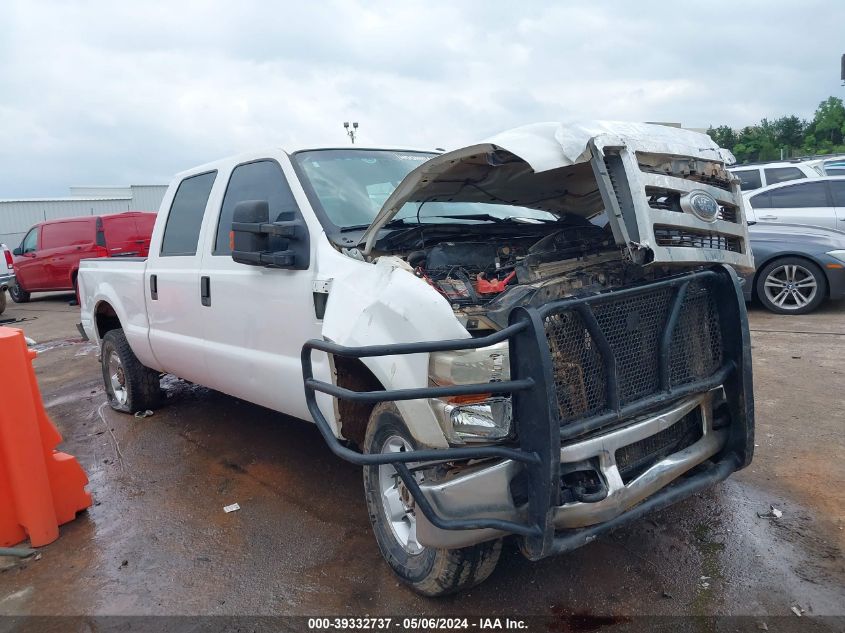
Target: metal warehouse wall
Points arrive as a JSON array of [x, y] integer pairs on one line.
[[147, 197], [17, 216]]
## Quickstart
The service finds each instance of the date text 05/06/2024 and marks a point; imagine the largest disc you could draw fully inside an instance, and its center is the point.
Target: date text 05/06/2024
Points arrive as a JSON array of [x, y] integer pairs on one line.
[[414, 624]]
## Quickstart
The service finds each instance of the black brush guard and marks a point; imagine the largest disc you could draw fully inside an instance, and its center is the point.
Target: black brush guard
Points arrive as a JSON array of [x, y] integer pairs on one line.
[[536, 409]]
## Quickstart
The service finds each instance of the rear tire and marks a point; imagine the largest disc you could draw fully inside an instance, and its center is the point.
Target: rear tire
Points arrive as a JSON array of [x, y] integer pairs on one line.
[[18, 294], [75, 301], [130, 386], [791, 285], [2, 301], [428, 571]]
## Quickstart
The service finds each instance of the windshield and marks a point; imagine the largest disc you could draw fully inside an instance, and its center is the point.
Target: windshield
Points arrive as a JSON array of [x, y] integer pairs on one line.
[[353, 184]]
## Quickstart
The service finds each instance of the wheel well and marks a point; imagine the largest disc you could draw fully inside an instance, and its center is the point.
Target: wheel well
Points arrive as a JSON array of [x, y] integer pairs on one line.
[[784, 256], [351, 373], [106, 319]]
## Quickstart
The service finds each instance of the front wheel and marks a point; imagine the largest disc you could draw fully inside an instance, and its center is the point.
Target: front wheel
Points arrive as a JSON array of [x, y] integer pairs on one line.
[[791, 285], [430, 572], [130, 386], [18, 294]]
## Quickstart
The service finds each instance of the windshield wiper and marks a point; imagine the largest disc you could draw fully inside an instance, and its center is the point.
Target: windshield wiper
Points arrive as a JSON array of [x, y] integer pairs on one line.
[[487, 217], [393, 224]]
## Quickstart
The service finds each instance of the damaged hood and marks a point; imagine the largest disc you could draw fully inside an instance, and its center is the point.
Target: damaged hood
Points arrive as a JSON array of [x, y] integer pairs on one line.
[[531, 154]]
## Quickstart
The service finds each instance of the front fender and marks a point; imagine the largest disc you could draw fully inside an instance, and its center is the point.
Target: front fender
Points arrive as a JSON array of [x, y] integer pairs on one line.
[[384, 303]]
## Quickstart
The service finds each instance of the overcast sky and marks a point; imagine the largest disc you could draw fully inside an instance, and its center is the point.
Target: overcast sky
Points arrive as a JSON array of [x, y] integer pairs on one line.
[[131, 92]]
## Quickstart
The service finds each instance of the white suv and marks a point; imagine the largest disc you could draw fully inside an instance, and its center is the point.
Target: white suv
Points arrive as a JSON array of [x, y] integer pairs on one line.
[[761, 175]]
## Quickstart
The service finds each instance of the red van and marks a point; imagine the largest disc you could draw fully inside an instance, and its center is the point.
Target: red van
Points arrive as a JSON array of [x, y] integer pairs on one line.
[[49, 254]]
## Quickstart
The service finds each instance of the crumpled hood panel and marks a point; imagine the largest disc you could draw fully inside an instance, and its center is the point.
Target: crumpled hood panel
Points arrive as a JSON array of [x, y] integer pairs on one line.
[[531, 152]]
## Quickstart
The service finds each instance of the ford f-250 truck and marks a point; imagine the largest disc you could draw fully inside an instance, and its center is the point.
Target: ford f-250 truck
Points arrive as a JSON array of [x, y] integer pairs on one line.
[[499, 364]]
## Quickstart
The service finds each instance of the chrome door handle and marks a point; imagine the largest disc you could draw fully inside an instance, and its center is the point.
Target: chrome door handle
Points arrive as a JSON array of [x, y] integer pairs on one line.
[[768, 217]]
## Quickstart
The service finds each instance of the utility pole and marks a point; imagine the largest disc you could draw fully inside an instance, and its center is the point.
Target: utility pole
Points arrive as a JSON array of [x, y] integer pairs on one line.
[[351, 132]]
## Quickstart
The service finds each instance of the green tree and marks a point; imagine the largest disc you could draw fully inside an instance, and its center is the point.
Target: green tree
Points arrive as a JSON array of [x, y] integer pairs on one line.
[[789, 133], [724, 136], [825, 134], [829, 119]]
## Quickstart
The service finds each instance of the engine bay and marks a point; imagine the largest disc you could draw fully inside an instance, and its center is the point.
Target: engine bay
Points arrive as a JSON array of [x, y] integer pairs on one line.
[[484, 280]]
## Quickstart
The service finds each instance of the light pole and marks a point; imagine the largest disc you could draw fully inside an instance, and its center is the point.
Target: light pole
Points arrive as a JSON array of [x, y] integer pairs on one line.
[[351, 132]]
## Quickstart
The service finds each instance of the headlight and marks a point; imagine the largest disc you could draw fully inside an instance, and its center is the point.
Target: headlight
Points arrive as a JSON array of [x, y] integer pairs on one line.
[[481, 417], [840, 255]]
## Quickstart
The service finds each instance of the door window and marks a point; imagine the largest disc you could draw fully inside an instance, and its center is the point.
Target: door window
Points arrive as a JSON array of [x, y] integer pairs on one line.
[[801, 196], [749, 179], [182, 231], [261, 180], [782, 174], [58, 234], [30, 242], [838, 189], [761, 201]]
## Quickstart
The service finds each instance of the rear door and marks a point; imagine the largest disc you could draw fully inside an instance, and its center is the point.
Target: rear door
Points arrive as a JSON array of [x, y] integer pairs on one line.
[[257, 319], [805, 202], [64, 244], [123, 237], [144, 223], [29, 265], [171, 282]]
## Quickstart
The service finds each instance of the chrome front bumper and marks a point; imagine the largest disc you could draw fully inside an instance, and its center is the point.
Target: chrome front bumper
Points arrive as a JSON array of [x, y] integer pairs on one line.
[[486, 490]]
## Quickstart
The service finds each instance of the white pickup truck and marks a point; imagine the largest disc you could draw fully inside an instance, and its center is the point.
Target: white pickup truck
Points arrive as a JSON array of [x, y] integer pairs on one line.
[[539, 336]]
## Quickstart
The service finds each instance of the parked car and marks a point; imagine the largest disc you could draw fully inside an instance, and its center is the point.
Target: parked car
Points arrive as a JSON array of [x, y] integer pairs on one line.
[[818, 202], [7, 274], [798, 266], [503, 366], [830, 166], [49, 254], [755, 176]]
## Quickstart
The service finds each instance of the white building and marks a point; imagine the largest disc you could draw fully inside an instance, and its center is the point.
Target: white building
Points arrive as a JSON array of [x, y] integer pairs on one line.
[[18, 215]]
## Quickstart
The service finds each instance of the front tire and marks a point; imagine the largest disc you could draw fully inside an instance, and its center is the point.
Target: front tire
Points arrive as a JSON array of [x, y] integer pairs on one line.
[[791, 285], [130, 386], [18, 294], [428, 571]]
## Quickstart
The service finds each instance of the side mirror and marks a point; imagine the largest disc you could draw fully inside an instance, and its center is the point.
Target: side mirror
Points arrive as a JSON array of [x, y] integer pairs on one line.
[[18, 252], [259, 242]]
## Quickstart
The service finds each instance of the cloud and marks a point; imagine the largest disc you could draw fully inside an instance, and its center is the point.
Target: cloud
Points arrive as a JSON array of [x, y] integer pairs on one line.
[[111, 93]]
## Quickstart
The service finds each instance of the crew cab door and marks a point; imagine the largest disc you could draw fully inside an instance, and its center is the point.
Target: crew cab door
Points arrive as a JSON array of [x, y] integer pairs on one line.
[[256, 319], [171, 282]]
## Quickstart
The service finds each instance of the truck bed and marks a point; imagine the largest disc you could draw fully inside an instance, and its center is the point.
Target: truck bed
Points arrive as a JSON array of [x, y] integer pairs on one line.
[[120, 282]]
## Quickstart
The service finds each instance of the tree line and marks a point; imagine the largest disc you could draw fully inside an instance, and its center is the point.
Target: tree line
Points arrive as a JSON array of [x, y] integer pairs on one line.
[[825, 134]]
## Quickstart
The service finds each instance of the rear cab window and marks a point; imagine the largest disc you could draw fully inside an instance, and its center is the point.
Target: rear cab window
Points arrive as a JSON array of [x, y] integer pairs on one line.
[[782, 174], [182, 231], [748, 179]]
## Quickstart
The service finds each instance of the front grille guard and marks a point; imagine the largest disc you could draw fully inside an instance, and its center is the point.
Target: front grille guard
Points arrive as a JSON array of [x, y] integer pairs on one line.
[[535, 407]]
